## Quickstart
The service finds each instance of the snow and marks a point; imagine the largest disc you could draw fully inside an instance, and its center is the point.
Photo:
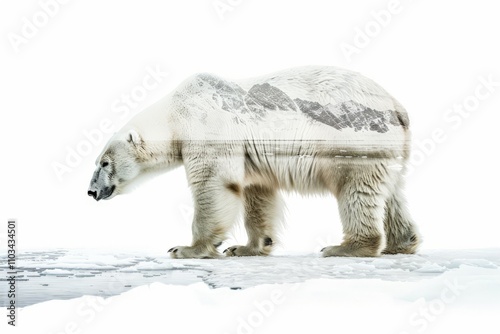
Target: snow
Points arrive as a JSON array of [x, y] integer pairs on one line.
[[59, 272], [434, 291]]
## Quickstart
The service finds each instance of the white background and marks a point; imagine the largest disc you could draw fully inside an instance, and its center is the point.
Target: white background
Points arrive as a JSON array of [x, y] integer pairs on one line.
[[65, 79]]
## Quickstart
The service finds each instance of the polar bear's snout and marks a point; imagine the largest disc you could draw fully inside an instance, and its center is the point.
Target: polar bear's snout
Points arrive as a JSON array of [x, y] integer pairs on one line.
[[93, 194], [99, 189], [99, 194]]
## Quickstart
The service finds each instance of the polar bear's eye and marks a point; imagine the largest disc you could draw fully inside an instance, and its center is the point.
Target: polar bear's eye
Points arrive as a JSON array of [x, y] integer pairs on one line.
[[104, 164]]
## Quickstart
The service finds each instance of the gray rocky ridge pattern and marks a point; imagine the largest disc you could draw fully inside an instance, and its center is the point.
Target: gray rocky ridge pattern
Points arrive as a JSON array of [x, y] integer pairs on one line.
[[263, 98]]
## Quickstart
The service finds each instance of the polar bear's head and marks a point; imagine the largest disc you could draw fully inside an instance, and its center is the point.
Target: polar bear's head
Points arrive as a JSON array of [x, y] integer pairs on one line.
[[117, 165]]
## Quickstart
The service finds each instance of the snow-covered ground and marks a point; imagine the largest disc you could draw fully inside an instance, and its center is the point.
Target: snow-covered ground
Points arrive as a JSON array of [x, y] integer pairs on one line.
[[432, 292]]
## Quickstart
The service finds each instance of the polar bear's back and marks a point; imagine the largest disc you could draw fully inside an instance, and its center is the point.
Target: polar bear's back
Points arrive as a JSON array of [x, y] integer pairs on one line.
[[299, 104], [326, 85]]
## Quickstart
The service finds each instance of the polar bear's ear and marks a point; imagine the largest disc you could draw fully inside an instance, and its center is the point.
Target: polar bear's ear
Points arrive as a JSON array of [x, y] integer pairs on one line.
[[133, 137]]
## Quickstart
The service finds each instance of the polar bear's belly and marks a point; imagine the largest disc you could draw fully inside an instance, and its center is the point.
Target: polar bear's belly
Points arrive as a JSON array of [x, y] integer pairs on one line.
[[311, 166]]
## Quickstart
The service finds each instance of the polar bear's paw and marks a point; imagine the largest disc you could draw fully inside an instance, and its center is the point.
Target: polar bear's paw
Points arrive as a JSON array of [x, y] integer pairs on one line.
[[246, 251], [241, 251], [344, 250], [403, 245], [188, 252]]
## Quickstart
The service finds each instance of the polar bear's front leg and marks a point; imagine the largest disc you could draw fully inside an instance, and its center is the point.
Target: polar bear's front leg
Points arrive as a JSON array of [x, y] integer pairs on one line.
[[216, 209], [262, 213]]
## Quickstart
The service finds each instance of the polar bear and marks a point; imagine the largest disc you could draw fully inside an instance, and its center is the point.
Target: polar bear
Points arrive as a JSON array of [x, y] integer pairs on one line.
[[312, 130]]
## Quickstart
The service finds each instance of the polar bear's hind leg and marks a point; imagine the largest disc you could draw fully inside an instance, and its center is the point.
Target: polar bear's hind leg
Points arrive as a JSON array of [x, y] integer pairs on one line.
[[361, 200], [401, 232]]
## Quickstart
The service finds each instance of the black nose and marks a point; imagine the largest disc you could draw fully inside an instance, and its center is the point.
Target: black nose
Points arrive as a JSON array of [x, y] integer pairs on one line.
[[92, 193]]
